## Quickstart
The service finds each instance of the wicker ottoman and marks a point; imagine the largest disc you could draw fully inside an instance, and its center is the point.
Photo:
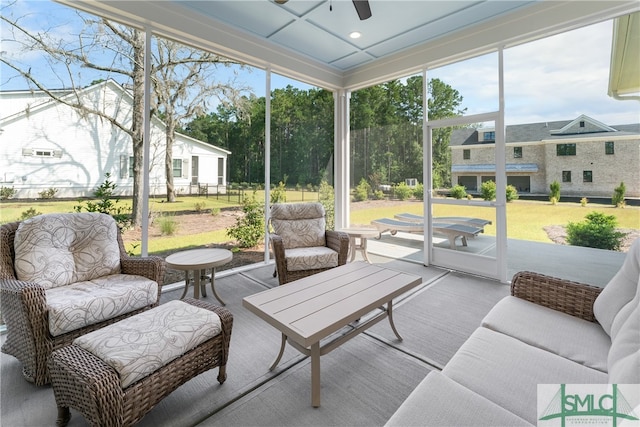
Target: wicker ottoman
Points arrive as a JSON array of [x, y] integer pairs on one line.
[[115, 375]]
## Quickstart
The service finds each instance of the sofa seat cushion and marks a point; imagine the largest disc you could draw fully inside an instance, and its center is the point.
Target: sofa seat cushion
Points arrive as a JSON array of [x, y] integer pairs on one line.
[[576, 339], [60, 249], [310, 258], [440, 401], [140, 345], [85, 303], [507, 371]]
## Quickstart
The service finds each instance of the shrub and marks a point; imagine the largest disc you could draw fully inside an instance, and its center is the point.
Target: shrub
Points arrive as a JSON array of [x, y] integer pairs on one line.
[[512, 193], [418, 192], [598, 231], [249, 228], [618, 195], [362, 191], [29, 213], [168, 225], [215, 211], [7, 193], [403, 191], [327, 199], [199, 206], [584, 201], [378, 195], [553, 201], [50, 193], [554, 193], [107, 203], [459, 192], [279, 193], [488, 190]]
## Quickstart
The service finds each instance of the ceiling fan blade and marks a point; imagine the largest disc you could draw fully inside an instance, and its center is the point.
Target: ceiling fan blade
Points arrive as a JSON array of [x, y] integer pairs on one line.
[[363, 9], [281, 1]]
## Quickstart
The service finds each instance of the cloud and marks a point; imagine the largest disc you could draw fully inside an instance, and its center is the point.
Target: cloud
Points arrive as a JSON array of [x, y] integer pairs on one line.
[[555, 78]]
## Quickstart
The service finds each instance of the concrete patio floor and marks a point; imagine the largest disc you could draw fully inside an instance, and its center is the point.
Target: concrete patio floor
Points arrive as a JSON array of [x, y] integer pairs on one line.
[[363, 382]]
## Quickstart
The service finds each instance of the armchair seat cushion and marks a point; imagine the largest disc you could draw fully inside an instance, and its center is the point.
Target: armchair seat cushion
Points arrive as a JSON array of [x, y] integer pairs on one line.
[[311, 258], [86, 303]]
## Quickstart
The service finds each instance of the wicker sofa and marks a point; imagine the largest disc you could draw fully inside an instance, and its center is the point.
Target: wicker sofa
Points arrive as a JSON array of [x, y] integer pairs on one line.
[[64, 275], [549, 331], [300, 242]]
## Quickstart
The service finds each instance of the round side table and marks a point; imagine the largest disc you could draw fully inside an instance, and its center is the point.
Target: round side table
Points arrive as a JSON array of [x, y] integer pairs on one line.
[[362, 234], [198, 260]]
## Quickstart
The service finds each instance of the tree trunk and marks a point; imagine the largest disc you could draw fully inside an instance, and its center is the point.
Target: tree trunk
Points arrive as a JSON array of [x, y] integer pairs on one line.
[[137, 126], [168, 156]]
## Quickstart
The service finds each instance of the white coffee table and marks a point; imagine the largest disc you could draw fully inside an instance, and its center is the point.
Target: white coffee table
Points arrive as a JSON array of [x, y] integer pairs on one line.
[[362, 234], [308, 310], [198, 260]]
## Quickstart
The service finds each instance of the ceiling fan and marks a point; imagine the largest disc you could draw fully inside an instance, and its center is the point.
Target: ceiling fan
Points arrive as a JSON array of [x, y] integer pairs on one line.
[[362, 7]]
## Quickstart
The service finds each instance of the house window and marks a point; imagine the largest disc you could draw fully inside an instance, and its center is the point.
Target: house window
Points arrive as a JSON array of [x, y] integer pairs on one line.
[[466, 154], [43, 153], [517, 152], [489, 136], [124, 166], [177, 168], [221, 170], [131, 166], [566, 176], [608, 147], [582, 123], [566, 149], [587, 176]]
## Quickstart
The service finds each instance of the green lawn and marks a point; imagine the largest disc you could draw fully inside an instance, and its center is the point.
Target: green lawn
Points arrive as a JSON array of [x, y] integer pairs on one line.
[[525, 219]]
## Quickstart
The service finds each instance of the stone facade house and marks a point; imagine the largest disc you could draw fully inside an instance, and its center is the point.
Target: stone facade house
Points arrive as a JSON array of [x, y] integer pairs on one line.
[[588, 158]]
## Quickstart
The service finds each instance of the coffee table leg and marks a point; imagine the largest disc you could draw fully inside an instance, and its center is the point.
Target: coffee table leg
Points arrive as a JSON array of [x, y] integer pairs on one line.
[[282, 345], [213, 288], [186, 284], [315, 375], [390, 313]]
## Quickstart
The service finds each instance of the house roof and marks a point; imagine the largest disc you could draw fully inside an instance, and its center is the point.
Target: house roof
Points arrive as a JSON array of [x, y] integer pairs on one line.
[[308, 39], [544, 131]]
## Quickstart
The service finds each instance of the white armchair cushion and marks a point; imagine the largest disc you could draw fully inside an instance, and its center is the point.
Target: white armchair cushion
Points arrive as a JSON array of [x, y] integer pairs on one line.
[[620, 290], [299, 224], [60, 249], [299, 259], [85, 303], [140, 345]]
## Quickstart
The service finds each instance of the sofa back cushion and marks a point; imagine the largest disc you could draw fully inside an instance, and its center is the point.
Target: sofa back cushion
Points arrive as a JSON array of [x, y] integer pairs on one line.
[[624, 356], [299, 224], [620, 290], [59, 249]]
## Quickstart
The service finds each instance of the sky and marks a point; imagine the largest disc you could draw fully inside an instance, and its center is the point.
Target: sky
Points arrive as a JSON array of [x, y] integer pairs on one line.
[[556, 78]]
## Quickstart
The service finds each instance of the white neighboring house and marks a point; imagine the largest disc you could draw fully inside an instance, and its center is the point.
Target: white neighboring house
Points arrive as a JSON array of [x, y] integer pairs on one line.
[[46, 144]]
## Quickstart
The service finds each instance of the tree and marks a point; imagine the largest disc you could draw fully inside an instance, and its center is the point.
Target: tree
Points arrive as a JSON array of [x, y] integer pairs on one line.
[[182, 77], [184, 86]]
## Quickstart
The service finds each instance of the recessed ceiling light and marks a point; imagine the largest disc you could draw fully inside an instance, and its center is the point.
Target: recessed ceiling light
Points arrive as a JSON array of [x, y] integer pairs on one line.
[[355, 35]]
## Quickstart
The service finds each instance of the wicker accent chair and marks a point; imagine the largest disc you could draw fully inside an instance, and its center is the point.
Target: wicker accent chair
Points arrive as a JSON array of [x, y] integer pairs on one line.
[[301, 245], [64, 275]]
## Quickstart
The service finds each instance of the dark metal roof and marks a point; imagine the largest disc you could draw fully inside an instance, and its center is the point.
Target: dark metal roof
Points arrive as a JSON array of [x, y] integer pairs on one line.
[[533, 132]]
